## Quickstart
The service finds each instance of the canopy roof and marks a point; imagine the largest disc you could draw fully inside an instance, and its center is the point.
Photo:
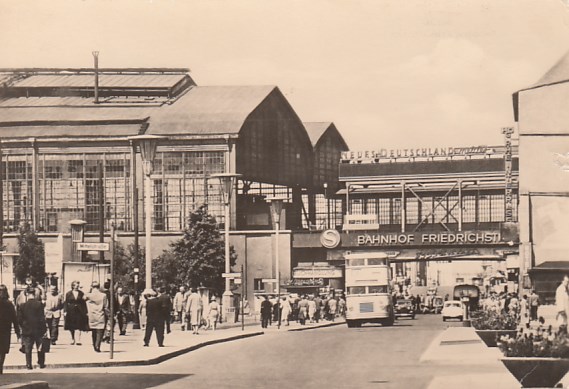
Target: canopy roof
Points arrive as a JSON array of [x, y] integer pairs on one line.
[[209, 110], [316, 131]]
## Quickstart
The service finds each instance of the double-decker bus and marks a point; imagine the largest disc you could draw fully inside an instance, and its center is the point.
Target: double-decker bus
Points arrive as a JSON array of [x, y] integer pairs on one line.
[[368, 289]]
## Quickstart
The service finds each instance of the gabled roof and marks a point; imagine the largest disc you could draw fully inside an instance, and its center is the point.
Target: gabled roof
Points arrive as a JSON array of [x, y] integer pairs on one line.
[[558, 74], [316, 131], [209, 109], [138, 81]]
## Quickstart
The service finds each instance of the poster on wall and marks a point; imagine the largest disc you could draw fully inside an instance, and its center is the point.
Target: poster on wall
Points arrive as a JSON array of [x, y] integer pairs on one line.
[[85, 273], [54, 256], [7, 272]]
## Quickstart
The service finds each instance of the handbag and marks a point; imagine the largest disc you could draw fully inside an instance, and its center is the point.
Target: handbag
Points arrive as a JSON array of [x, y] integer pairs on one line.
[[45, 344]]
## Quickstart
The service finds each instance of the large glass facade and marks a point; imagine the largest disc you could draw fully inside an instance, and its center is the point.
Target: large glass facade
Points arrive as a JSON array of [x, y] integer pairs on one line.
[[328, 212], [88, 185], [181, 185], [476, 208]]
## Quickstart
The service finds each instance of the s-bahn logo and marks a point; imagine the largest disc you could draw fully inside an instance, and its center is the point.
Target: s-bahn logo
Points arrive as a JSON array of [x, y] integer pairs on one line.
[[330, 239]]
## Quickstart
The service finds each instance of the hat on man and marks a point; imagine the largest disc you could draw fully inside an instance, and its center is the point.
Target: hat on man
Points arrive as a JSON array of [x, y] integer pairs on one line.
[[148, 292]]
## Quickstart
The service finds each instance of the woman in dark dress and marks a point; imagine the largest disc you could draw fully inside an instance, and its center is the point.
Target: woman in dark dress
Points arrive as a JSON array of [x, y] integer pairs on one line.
[[7, 320], [75, 313]]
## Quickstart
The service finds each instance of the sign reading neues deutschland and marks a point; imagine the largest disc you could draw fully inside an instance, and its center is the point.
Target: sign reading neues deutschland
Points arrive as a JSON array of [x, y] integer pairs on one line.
[[355, 156], [426, 238]]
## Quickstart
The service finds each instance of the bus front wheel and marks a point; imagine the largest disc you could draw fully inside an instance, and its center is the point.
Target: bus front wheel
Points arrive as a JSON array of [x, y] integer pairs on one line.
[[351, 323]]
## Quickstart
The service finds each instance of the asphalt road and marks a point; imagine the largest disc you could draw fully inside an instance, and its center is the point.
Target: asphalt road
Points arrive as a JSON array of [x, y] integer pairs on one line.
[[336, 357]]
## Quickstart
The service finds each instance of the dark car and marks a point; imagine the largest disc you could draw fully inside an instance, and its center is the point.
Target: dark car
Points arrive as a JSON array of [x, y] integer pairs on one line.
[[404, 308]]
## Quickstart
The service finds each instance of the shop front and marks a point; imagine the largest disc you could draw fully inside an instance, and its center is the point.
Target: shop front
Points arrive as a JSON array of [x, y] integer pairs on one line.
[[315, 278]]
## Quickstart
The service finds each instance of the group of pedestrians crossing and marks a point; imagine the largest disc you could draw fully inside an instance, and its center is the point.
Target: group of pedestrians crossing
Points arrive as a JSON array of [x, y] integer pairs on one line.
[[302, 309], [189, 310]]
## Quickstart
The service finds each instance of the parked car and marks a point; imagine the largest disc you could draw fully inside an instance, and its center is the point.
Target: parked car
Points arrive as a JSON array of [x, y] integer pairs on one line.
[[452, 310], [404, 308]]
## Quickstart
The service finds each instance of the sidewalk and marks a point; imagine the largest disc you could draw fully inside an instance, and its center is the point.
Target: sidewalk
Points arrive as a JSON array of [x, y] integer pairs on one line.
[[129, 350], [460, 346]]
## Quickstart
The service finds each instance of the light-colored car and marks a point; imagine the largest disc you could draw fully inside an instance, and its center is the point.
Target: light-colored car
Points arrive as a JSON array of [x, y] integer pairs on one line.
[[452, 310]]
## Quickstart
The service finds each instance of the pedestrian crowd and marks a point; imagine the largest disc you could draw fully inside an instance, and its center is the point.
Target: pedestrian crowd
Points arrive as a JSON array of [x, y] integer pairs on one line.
[[35, 315], [302, 309], [524, 308]]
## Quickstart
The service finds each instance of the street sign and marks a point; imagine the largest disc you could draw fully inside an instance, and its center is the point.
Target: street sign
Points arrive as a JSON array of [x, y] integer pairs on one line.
[[237, 281], [88, 246], [269, 280], [231, 275]]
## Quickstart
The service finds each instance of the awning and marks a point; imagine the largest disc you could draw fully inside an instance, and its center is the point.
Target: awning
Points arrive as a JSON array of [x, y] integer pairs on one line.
[[550, 266]]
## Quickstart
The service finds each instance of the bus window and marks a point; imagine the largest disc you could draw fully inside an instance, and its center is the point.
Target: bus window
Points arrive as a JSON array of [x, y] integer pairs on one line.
[[376, 261], [356, 289], [378, 289], [357, 262]]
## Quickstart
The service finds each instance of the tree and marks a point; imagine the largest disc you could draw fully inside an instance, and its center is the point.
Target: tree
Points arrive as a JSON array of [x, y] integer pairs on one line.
[[124, 267], [198, 258], [31, 261]]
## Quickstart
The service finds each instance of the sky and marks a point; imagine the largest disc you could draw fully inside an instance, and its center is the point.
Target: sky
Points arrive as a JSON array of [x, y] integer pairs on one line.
[[388, 73]]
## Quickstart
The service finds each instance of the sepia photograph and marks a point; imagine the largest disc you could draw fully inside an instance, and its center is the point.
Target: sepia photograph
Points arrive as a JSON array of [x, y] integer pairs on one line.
[[284, 194]]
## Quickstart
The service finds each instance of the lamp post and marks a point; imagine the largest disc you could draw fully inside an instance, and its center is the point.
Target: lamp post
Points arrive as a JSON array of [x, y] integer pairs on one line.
[[148, 145], [227, 183], [276, 209]]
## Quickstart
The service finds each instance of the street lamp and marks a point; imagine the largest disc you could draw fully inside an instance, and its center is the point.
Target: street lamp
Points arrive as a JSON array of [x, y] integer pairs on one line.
[[227, 183], [148, 145], [276, 209]]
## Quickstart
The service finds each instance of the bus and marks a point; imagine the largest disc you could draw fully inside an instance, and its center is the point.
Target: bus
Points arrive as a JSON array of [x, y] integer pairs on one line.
[[368, 289], [468, 293]]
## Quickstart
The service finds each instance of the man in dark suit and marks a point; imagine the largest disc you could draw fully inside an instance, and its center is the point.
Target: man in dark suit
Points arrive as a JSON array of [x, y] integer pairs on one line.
[[155, 318], [122, 302], [31, 318], [167, 306], [266, 309]]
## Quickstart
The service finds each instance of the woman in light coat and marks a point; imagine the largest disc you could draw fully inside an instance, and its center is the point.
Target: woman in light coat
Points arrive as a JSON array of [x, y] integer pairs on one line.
[[97, 307], [286, 311], [213, 315], [311, 309], [142, 312], [194, 310]]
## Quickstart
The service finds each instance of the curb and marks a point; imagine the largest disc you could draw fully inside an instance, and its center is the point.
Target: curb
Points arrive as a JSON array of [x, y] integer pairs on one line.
[[142, 362], [336, 323], [27, 385]]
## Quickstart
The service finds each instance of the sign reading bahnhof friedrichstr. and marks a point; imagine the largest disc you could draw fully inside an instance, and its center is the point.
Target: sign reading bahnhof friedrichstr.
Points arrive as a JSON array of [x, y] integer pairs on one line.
[[426, 238]]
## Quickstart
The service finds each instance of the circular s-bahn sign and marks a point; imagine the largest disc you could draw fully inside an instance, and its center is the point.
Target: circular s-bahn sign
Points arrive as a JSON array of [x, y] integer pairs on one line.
[[330, 239]]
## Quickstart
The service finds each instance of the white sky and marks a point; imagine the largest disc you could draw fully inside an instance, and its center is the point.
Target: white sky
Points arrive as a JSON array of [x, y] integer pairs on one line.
[[389, 73]]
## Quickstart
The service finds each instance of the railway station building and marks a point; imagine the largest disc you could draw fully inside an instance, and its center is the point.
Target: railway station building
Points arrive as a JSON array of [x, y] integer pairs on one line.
[[444, 216], [69, 153]]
